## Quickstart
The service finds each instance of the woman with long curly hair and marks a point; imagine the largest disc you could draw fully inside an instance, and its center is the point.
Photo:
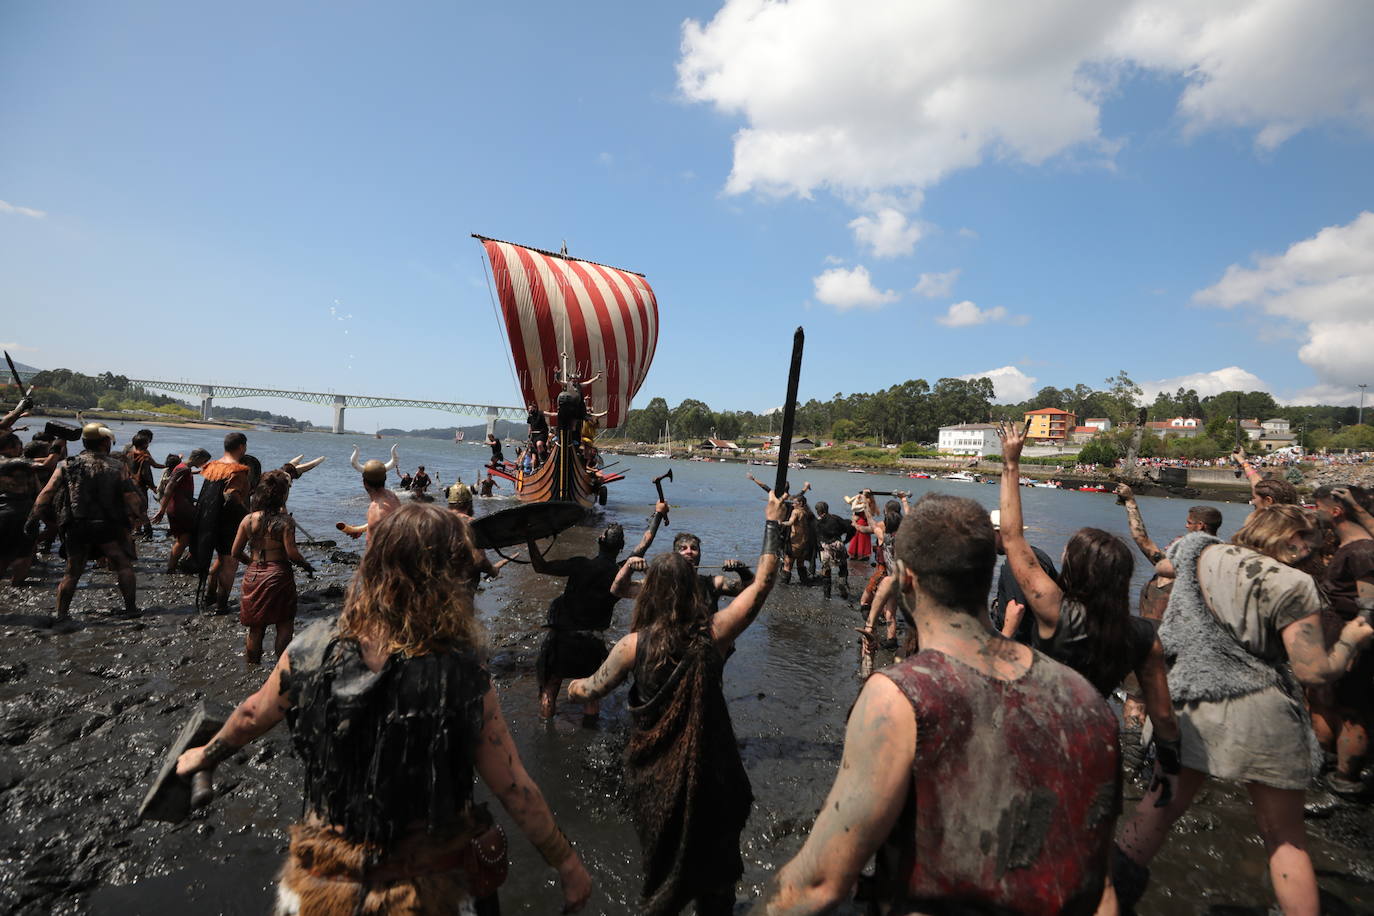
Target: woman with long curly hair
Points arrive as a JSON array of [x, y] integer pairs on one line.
[[391, 711], [1244, 627], [265, 545], [689, 793]]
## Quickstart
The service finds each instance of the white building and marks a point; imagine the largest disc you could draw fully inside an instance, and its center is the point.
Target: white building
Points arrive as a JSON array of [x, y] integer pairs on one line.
[[970, 439], [1102, 424], [1277, 426], [1182, 427]]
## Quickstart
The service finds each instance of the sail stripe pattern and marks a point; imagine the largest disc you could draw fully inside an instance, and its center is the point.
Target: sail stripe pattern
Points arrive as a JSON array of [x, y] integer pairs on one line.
[[605, 320]]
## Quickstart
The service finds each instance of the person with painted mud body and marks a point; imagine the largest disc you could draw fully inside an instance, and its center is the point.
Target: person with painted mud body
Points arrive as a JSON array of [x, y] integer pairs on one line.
[[1084, 619], [95, 505], [19, 489], [574, 646], [178, 504], [389, 810], [973, 752], [1347, 707], [1244, 628], [688, 790], [1154, 597]]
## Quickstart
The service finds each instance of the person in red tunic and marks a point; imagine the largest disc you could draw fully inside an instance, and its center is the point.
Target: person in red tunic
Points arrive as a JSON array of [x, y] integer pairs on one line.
[[981, 773], [179, 504], [266, 546]]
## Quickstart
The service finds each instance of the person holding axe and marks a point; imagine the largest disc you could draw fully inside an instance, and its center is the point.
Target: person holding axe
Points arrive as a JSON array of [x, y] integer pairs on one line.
[[574, 645]]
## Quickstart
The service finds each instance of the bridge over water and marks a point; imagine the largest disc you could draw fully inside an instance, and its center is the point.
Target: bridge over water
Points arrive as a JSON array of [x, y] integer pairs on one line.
[[208, 392]]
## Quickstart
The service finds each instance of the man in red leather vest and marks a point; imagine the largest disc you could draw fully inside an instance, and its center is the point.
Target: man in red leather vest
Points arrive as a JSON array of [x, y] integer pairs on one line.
[[982, 774]]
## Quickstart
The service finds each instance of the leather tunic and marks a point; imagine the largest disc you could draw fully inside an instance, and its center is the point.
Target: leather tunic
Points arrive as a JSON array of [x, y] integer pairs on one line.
[[1015, 792]]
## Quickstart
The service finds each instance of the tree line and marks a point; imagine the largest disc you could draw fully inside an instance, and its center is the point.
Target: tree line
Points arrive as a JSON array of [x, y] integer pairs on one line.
[[73, 390], [914, 411]]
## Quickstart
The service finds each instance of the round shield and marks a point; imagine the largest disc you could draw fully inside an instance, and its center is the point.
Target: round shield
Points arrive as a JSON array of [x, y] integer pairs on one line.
[[521, 523]]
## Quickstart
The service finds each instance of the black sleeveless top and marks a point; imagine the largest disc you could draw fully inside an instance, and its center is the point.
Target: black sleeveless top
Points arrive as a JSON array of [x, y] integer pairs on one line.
[[384, 750]]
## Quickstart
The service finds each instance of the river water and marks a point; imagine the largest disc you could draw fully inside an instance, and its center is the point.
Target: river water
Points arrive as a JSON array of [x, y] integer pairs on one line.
[[85, 716]]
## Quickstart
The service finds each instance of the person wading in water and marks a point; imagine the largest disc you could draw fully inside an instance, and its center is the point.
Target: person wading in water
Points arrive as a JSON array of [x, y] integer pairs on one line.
[[981, 773], [833, 534], [266, 546], [712, 588], [689, 793], [390, 818], [95, 504], [381, 502], [574, 645]]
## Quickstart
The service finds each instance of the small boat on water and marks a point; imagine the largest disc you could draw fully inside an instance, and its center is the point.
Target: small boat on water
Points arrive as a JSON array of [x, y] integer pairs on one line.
[[961, 477], [919, 476], [1095, 488], [857, 471], [1047, 485]]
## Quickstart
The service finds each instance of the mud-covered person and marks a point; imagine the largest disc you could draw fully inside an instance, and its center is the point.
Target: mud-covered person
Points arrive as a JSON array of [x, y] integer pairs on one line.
[[141, 463], [1154, 598], [20, 411], [390, 814], [266, 546], [575, 646], [18, 491], [833, 533], [1020, 762], [1244, 629], [94, 504], [711, 588], [688, 790], [177, 504], [1346, 708]]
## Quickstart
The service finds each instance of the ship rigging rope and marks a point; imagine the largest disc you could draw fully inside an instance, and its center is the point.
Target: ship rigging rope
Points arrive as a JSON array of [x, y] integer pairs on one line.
[[500, 323]]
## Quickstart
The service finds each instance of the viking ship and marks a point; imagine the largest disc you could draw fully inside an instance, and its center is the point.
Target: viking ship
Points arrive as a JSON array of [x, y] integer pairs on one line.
[[568, 320]]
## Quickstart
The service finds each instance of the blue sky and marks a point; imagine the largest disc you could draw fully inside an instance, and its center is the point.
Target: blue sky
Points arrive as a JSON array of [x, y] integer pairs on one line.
[[281, 194]]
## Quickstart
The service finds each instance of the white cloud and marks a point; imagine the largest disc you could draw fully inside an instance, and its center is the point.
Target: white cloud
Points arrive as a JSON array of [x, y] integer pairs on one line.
[[1336, 395], [968, 233], [887, 233], [7, 207], [966, 315], [1326, 283], [833, 259], [935, 286], [869, 95], [847, 289], [1232, 378], [1010, 383]]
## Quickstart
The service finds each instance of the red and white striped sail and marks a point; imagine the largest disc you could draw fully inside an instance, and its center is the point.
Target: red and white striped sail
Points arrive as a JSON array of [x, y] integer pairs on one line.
[[604, 319]]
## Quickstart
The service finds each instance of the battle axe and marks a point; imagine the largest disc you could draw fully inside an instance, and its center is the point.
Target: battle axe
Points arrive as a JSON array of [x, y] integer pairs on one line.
[[658, 485]]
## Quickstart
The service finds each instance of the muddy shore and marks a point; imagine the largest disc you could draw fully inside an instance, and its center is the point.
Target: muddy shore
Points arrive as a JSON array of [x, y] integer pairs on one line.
[[86, 715]]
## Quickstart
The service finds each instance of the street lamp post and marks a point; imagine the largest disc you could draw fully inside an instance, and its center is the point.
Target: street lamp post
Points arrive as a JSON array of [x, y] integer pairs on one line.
[[1360, 419]]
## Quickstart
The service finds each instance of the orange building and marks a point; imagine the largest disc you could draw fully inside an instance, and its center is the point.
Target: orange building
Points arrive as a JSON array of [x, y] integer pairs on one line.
[[1050, 423]]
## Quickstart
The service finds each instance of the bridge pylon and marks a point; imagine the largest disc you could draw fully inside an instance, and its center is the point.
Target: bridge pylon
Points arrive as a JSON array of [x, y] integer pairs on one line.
[[491, 421], [340, 402], [207, 401]]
